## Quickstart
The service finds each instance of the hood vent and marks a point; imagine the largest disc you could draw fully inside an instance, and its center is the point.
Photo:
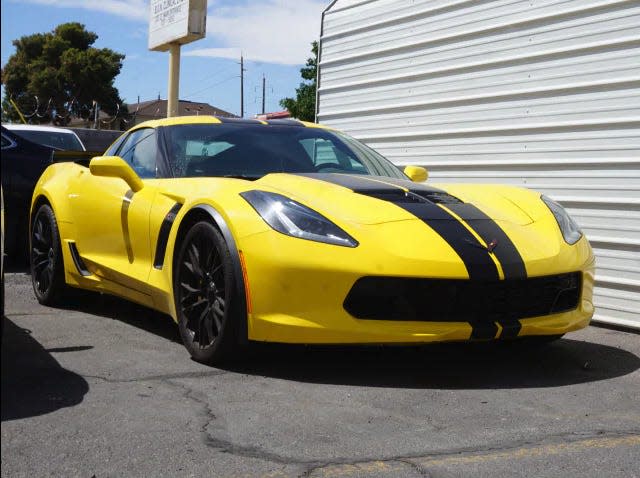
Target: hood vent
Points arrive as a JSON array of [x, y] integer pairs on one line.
[[399, 196]]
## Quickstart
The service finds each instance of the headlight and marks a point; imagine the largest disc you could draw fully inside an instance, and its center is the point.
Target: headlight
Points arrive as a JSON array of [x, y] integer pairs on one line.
[[569, 228], [293, 219]]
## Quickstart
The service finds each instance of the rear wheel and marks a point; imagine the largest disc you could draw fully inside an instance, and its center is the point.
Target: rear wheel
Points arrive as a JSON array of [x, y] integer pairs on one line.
[[47, 265], [204, 290]]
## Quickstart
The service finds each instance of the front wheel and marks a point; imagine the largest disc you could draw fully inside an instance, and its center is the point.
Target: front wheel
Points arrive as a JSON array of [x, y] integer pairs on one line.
[[204, 289], [47, 265]]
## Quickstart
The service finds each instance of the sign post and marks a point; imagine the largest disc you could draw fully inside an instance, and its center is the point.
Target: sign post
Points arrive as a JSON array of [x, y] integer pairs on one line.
[[173, 23]]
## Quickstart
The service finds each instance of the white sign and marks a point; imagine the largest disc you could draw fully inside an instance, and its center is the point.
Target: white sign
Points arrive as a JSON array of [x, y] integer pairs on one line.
[[176, 21]]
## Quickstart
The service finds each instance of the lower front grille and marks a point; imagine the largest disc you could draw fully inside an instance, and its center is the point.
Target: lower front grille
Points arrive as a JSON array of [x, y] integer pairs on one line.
[[447, 300]]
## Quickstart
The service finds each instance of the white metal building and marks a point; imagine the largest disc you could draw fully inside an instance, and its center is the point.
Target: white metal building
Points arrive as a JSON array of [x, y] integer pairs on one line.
[[539, 93]]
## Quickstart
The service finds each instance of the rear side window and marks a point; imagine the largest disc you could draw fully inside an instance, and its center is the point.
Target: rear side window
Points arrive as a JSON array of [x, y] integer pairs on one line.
[[54, 139]]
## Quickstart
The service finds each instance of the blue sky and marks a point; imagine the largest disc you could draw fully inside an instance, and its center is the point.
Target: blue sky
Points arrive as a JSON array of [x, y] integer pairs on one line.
[[274, 35]]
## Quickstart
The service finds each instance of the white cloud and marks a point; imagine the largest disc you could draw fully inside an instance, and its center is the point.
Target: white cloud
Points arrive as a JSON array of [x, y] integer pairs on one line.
[[130, 9], [271, 31]]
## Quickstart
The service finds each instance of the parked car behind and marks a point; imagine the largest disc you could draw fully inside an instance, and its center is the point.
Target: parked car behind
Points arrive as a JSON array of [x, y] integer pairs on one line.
[[23, 160], [2, 258], [58, 138]]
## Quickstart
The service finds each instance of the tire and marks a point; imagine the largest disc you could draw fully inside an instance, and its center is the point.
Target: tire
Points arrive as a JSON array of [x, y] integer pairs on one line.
[[205, 295], [47, 263]]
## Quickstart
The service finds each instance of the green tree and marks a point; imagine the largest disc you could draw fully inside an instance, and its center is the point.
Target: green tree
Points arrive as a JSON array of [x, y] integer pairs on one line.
[[303, 106], [64, 72]]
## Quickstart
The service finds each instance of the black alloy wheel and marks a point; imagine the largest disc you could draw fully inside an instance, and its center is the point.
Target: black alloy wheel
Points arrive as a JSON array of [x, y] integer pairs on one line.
[[204, 288], [47, 266]]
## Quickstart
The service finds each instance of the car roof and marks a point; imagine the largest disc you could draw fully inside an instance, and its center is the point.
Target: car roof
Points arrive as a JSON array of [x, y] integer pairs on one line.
[[33, 127], [207, 119]]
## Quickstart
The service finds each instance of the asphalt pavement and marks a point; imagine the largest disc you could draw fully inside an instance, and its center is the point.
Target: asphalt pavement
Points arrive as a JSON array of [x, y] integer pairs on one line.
[[104, 388]]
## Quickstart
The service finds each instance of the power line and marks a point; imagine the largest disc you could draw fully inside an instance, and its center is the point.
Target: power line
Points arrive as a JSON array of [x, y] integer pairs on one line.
[[210, 86]]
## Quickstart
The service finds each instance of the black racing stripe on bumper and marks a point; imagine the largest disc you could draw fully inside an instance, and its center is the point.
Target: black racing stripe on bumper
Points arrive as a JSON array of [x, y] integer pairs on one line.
[[510, 328], [163, 236], [483, 330], [505, 251]]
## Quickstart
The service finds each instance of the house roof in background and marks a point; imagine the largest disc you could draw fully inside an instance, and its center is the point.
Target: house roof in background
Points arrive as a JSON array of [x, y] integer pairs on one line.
[[158, 109]]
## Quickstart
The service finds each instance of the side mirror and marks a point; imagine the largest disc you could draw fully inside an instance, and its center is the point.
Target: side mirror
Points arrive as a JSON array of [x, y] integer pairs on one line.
[[417, 174], [116, 167]]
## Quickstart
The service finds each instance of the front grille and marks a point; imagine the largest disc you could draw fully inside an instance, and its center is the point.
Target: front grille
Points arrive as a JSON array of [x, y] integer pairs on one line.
[[446, 300]]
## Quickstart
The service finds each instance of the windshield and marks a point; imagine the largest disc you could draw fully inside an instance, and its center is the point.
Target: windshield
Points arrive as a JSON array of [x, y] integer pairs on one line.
[[251, 151], [54, 139]]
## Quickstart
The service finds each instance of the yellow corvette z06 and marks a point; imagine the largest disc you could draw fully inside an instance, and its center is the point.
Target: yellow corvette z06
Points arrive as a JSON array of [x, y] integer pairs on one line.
[[283, 231]]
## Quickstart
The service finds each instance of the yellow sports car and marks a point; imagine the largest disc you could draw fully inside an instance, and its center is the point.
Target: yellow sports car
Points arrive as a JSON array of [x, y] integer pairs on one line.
[[284, 231]]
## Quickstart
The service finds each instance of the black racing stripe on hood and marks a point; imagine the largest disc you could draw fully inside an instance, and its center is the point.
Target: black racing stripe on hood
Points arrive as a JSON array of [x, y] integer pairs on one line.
[[505, 251], [357, 183], [479, 264], [473, 254], [386, 188]]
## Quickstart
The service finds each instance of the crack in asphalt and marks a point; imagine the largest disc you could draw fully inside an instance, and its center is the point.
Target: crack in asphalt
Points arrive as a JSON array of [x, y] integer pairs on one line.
[[571, 437], [163, 377], [416, 466], [311, 466], [226, 446]]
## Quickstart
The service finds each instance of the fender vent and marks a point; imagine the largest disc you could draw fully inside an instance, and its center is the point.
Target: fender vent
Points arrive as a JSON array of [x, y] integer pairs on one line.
[[163, 235], [77, 260]]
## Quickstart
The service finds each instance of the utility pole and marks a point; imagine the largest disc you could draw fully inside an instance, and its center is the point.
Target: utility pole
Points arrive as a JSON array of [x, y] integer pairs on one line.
[[263, 90], [96, 108], [241, 86], [174, 80]]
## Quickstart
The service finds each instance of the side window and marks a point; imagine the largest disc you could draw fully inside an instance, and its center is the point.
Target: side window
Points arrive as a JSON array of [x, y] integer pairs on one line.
[[114, 147], [140, 150]]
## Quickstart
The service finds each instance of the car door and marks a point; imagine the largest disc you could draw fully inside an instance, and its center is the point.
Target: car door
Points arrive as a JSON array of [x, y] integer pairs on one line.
[[112, 222]]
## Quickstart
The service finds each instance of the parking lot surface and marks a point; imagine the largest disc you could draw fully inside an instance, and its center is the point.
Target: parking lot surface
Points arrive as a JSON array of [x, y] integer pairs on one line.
[[104, 388]]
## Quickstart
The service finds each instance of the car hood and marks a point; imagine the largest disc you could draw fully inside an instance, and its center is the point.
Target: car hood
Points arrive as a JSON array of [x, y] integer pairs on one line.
[[376, 199]]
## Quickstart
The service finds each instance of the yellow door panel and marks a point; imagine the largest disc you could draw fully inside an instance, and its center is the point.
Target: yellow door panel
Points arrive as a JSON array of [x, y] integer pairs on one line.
[[112, 227]]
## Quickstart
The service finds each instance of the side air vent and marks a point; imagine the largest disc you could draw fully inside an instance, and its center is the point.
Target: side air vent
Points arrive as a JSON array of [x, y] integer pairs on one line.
[[77, 260], [163, 235]]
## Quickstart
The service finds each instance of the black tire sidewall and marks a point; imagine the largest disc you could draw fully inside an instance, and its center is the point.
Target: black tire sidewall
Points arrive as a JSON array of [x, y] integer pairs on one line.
[[54, 293], [224, 346]]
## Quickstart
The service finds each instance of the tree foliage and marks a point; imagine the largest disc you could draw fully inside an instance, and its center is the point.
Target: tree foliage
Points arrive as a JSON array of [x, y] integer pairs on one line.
[[303, 106], [64, 71]]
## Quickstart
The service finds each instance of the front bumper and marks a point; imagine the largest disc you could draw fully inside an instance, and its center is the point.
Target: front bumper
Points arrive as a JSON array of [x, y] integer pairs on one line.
[[297, 291]]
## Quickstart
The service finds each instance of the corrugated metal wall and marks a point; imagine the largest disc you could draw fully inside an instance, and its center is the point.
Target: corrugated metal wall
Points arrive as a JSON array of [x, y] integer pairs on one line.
[[544, 94]]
